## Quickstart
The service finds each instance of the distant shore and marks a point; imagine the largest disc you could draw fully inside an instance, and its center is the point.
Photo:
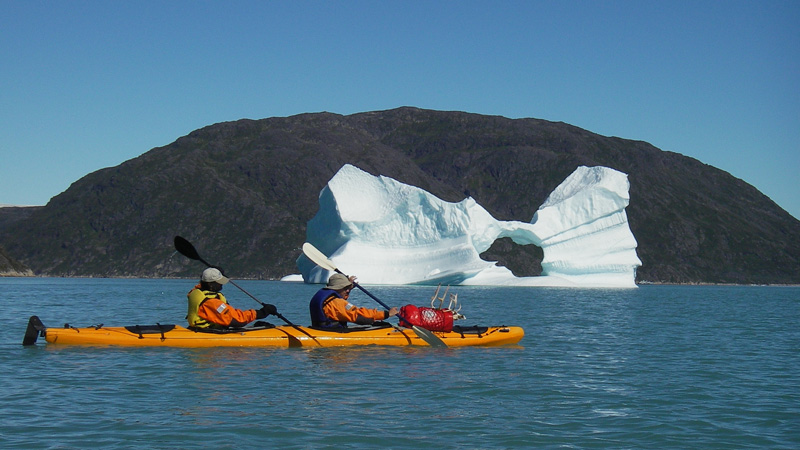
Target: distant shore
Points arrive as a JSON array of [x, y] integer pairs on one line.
[[13, 274]]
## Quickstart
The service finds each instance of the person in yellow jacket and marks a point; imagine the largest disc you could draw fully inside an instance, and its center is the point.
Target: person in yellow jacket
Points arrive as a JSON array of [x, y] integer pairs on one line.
[[208, 308], [330, 309]]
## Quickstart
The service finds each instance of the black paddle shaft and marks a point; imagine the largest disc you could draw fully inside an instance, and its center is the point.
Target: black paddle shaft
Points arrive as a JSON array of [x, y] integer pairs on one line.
[[186, 249], [373, 297]]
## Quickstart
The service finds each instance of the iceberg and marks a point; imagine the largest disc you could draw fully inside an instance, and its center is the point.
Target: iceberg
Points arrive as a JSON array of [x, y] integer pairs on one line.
[[388, 232]]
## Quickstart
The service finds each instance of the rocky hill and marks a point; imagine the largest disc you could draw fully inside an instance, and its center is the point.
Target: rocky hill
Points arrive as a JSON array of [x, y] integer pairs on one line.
[[243, 191], [10, 267]]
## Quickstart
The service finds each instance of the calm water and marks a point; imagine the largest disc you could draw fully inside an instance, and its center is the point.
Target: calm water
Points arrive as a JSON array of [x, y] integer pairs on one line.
[[654, 367]]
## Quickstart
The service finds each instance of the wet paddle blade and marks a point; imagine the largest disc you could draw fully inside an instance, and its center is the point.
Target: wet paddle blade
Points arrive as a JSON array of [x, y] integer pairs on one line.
[[429, 338]]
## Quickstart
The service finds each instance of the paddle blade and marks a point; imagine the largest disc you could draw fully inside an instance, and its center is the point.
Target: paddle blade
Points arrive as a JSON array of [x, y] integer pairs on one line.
[[186, 248], [429, 338], [318, 257]]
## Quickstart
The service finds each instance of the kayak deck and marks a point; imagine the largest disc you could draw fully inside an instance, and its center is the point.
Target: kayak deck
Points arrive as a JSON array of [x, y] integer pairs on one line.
[[265, 336]]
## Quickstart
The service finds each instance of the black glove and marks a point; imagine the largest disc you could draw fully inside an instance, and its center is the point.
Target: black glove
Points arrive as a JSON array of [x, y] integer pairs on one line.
[[265, 311]]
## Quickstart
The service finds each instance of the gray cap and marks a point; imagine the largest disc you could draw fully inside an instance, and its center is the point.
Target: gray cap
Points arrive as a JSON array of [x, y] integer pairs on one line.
[[338, 281]]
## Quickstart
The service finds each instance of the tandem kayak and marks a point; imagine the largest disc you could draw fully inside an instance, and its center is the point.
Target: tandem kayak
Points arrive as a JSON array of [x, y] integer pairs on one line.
[[160, 335]]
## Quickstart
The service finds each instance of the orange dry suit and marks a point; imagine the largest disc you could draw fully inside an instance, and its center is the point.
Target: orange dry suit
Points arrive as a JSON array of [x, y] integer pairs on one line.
[[329, 310], [211, 309]]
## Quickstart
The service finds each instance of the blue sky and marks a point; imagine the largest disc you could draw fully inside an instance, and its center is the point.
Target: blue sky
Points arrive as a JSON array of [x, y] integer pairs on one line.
[[89, 84]]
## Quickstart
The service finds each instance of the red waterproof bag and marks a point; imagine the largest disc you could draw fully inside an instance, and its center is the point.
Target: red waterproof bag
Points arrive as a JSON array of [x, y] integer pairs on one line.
[[428, 318]]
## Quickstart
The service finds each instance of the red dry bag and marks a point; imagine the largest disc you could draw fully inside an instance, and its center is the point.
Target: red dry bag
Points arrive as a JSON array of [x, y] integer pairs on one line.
[[428, 318]]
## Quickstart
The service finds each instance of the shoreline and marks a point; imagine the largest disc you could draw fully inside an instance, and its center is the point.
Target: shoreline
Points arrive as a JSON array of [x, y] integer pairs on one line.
[[13, 274]]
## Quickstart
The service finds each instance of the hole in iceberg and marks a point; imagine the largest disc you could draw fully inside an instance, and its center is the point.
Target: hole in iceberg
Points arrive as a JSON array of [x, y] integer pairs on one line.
[[521, 260]]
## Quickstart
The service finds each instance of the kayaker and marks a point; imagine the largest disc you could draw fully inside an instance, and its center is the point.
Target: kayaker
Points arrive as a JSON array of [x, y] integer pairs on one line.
[[208, 308], [330, 309]]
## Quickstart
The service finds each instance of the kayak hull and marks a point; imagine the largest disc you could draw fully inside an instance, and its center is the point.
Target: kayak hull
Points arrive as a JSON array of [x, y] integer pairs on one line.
[[271, 336]]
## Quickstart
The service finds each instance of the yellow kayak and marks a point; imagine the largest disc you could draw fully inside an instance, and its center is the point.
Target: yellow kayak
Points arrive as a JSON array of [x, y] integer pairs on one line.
[[264, 336]]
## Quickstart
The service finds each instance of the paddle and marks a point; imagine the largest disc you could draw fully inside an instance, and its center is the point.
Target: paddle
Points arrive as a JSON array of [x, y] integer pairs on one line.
[[321, 260], [186, 249]]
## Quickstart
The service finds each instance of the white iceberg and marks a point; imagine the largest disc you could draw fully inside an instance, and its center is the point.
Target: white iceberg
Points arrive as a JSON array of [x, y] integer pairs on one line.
[[387, 232]]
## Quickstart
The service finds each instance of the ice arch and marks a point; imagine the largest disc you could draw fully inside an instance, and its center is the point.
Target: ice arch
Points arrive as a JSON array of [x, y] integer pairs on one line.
[[387, 232]]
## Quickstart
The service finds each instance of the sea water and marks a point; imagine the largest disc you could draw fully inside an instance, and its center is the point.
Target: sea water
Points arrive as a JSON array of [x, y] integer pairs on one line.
[[683, 367]]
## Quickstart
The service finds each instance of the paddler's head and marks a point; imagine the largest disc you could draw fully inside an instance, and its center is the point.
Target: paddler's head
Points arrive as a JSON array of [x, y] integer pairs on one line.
[[213, 279], [340, 284]]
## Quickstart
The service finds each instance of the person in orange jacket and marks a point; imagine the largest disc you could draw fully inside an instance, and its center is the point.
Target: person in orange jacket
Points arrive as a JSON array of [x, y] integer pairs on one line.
[[208, 308], [330, 309]]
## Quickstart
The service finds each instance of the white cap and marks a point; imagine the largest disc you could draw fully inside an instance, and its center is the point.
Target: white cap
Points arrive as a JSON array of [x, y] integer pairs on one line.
[[212, 274]]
